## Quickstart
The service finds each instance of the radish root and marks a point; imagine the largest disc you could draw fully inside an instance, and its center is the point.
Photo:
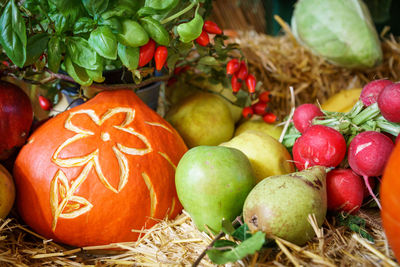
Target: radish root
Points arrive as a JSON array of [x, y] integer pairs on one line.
[[371, 192]]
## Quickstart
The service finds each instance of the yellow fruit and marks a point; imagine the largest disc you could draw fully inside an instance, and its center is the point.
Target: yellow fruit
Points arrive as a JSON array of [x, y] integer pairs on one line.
[[267, 156], [342, 101], [259, 125], [7, 192]]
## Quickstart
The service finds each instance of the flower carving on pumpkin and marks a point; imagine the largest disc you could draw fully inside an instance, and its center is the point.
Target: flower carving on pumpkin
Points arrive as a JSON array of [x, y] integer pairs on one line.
[[64, 204]]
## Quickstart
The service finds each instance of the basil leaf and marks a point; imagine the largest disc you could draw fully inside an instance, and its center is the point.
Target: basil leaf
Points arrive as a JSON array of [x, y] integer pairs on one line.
[[54, 53], [156, 31], [77, 73], [104, 42], [35, 47], [13, 34], [82, 54], [161, 4], [122, 8], [95, 7], [65, 13], [96, 75], [113, 23], [235, 253], [129, 56], [190, 30], [84, 25], [132, 34]]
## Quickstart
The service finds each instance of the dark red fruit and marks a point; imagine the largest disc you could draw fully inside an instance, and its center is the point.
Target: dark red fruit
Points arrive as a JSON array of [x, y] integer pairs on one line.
[[45, 103], [211, 27], [247, 112], [260, 108], [203, 39], [269, 117], [16, 118], [233, 66]]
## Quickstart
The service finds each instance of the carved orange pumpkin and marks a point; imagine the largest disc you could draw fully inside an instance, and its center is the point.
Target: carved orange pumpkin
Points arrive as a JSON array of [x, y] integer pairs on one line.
[[94, 173]]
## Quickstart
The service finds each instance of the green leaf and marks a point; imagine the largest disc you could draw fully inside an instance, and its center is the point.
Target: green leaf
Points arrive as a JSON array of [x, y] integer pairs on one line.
[[242, 232], [82, 54], [78, 73], [114, 24], [95, 7], [54, 53], [220, 243], [104, 42], [156, 31], [208, 60], [122, 8], [84, 25], [190, 30], [247, 247], [227, 227], [173, 57], [132, 34], [161, 4], [35, 47], [129, 56], [356, 224], [13, 34], [96, 75]]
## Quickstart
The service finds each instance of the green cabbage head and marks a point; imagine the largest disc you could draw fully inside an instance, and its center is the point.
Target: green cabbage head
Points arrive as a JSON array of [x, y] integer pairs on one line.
[[341, 31]]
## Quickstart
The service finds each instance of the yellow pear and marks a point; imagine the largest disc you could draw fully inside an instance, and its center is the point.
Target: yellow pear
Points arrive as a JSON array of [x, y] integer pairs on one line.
[[342, 101], [202, 119], [267, 156], [259, 125]]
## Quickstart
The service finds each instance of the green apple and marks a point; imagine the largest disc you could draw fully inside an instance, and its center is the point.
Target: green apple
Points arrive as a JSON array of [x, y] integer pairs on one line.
[[202, 119], [212, 183], [267, 156], [258, 124]]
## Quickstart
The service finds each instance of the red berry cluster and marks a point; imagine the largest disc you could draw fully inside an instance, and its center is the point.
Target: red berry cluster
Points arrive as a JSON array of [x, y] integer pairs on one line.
[[260, 108], [149, 50], [239, 73], [209, 27]]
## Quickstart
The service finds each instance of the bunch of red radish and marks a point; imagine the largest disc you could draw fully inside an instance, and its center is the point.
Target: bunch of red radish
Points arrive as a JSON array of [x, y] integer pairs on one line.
[[367, 153]]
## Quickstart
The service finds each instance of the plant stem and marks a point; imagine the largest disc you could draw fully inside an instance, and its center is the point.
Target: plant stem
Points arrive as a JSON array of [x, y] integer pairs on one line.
[[198, 260], [180, 13], [367, 114], [102, 87]]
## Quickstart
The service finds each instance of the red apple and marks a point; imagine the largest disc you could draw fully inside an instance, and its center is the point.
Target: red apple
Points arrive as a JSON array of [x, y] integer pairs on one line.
[[16, 118]]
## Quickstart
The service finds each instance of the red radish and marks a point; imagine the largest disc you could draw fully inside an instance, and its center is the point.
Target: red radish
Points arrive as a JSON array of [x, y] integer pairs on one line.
[[389, 102], [345, 190], [371, 91], [368, 153], [319, 145], [303, 116]]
